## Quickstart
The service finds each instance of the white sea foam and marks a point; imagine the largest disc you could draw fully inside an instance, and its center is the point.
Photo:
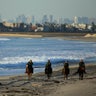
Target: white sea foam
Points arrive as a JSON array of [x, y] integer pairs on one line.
[[4, 39], [44, 58], [3, 69], [16, 60]]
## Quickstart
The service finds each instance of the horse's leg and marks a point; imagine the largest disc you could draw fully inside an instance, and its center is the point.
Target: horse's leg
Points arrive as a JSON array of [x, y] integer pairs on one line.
[[82, 76], [79, 75], [65, 76], [48, 75]]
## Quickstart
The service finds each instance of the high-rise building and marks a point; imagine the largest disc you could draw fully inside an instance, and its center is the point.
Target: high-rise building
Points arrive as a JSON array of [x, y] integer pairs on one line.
[[84, 20], [33, 19], [60, 21], [0, 19], [21, 19], [44, 19], [75, 20], [29, 19], [68, 21], [51, 18]]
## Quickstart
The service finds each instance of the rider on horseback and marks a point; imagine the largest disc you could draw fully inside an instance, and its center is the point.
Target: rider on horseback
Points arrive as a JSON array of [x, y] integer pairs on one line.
[[81, 69]]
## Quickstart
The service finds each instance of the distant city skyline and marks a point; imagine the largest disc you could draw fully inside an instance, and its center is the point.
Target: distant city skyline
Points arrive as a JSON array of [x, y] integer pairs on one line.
[[10, 9], [49, 18]]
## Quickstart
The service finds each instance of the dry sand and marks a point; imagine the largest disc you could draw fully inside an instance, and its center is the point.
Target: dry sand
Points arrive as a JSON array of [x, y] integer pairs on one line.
[[67, 36], [56, 86], [20, 35]]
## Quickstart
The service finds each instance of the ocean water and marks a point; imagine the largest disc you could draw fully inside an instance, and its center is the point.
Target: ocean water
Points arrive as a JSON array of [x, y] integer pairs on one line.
[[16, 52]]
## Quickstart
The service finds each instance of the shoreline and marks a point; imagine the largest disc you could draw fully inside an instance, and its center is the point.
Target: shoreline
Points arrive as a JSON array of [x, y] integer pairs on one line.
[[57, 68], [20, 35], [65, 36]]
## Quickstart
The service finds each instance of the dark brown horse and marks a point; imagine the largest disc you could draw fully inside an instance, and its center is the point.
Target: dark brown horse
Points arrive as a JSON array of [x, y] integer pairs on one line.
[[81, 69], [66, 70], [48, 69], [29, 69]]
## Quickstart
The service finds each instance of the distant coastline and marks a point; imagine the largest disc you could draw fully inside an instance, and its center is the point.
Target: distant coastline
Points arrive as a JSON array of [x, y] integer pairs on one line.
[[62, 35]]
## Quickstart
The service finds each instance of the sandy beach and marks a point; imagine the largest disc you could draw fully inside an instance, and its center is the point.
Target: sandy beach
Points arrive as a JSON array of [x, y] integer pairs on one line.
[[56, 86], [19, 35], [39, 85], [67, 36]]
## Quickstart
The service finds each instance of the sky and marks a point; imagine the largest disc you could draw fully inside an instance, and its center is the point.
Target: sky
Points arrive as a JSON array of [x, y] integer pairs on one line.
[[10, 9]]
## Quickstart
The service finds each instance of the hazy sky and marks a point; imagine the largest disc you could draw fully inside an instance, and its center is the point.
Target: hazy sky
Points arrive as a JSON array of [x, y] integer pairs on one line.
[[10, 9]]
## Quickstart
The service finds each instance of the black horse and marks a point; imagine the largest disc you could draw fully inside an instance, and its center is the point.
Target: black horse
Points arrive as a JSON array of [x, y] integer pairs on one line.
[[81, 69], [66, 70], [48, 69]]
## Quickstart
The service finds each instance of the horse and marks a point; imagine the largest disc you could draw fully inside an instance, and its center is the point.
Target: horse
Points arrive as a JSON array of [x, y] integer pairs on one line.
[[81, 71], [65, 71], [29, 69], [48, 71]]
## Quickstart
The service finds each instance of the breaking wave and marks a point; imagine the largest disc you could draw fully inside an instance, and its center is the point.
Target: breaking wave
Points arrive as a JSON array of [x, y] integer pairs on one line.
[[4, 39]]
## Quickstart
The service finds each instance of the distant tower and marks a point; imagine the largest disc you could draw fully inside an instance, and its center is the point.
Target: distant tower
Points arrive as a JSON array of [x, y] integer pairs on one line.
[[60, 21], [51, 18], [45, 19], [29, 19], [75, 20], [33, 19], [0, 19], [21, 19]]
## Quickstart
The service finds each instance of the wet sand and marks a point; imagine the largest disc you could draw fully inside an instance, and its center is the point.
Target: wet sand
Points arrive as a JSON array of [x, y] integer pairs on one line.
[[39, 85]]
